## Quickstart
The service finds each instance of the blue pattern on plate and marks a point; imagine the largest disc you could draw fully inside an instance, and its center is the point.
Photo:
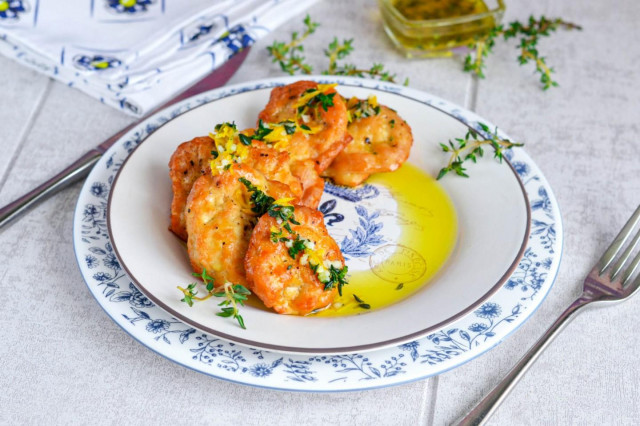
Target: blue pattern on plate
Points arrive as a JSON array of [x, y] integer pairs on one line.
[[352, 194], [365, 237], [443, 349]]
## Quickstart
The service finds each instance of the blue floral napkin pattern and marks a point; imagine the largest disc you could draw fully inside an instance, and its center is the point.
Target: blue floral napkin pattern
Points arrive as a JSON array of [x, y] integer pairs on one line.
[[135, 54]]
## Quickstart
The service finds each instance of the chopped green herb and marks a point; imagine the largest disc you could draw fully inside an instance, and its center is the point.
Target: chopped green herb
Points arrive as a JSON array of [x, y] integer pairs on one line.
[[337, 277], [361, 303], [261, 201], [400, 286], [297, 246], [221, 125], [246, 140], [289, 127]]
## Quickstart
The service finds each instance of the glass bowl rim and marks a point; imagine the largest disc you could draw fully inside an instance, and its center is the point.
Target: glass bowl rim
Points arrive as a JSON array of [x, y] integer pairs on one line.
[[442, 22]]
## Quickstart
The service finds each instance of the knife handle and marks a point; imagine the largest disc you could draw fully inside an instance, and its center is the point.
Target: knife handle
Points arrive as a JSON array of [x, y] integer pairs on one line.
[[75, 172]]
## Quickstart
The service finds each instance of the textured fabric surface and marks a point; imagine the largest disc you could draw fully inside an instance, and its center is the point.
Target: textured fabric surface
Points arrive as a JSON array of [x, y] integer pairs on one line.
[[134, 54]]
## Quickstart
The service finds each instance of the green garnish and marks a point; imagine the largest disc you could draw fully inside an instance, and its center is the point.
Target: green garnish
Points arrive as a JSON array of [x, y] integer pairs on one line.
[[261, 131], [261, 202], [284, 213], [234, 293], [471, 147], [226, 123], [190, 292], [297, 245], [289, 57], [325, 101], [246, 140], [400, 286], [529, 34], [337, 277], [361, 303]]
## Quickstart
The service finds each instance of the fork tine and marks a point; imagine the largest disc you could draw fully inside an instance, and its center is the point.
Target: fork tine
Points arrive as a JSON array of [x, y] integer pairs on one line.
[[625, 256], [614, 248], [631, 269]]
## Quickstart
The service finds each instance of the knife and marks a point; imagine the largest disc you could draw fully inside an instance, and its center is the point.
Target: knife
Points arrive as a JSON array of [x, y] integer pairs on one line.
[[83, 165]]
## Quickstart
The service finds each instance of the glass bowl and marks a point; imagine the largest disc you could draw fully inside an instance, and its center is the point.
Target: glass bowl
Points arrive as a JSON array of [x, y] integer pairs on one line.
[[442, 36]]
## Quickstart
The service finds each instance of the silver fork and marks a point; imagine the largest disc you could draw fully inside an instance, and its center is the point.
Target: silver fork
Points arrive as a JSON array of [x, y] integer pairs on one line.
[[608, 281]]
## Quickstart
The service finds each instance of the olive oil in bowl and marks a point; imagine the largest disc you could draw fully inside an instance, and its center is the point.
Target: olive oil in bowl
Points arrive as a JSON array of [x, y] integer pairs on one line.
[[433, 28]]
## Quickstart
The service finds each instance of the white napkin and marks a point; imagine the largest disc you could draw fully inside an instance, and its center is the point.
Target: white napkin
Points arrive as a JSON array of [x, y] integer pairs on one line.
[[135, 54]]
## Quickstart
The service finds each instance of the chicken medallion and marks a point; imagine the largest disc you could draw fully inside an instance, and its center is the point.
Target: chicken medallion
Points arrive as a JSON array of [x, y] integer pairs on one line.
[[220, 219], [381, 143], [320, 115], [188, 162], [294, 268], [192, 159]]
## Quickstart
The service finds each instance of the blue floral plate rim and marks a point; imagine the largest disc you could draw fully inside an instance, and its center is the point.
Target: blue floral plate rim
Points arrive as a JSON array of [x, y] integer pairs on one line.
[[434, 354]]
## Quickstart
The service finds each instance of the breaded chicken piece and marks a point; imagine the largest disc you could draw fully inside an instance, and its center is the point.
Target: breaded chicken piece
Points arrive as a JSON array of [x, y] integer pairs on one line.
[[330, 126], [191, 160], [283, 283], [275, 165], [312, 183], [220, 221], [381, 143], [188, 162]]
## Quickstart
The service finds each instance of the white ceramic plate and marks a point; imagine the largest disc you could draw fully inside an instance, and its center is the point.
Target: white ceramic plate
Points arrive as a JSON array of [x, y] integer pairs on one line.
[[443, 348], [492, 211]]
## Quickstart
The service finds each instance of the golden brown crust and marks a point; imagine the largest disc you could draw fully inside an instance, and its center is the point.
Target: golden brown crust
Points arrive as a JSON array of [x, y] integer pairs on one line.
[[321, 147], [381, 143], [275, 165], [312, 183], [188, 162], [219, 221], [293, 290]]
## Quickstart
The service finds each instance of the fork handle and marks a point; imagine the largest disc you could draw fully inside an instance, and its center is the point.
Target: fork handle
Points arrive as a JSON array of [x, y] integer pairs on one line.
[[75, 172], [485, 408]]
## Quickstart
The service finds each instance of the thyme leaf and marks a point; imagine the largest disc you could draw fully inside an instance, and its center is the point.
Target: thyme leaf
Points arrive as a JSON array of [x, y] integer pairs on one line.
[[471, 147], [361, 303]]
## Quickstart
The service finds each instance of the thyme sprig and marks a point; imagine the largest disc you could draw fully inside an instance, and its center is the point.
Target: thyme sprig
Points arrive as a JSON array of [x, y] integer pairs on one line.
[[289, 57], [234, 294], [471, 147], [338, 51], [190, 292], [529, 33]]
